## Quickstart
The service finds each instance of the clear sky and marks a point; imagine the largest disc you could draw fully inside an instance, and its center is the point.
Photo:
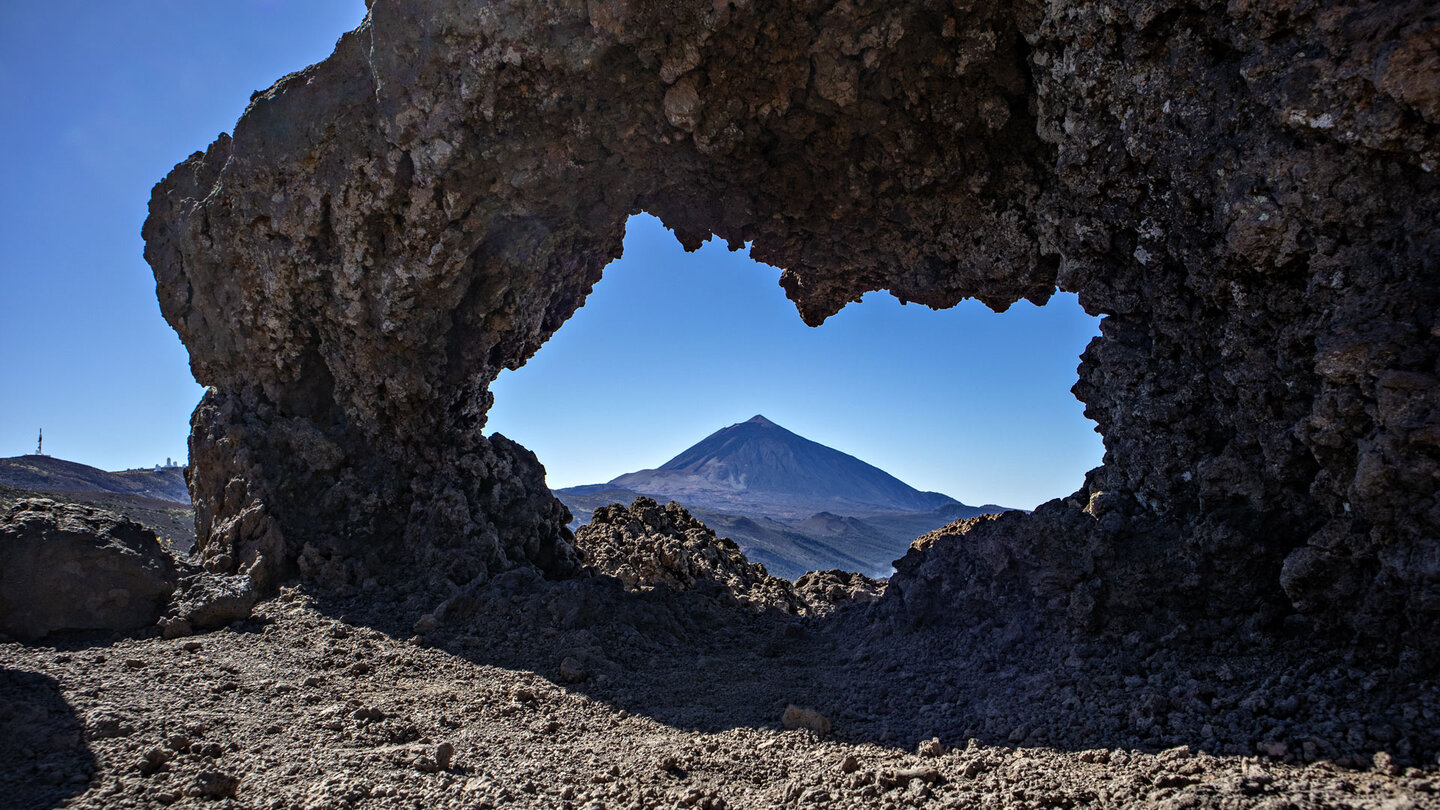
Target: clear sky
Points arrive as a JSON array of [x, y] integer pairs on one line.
[[101, 99]]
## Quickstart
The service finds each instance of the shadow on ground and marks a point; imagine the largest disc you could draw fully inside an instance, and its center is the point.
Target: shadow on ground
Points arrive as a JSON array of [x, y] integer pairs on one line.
[[44, 760], [692, 661]]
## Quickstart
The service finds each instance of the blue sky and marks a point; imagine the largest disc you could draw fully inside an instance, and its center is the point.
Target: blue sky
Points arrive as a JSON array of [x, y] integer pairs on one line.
[[102, 99]]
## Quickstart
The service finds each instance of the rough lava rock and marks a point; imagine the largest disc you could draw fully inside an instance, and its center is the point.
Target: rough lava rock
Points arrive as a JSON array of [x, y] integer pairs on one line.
[[1246, 191], [826, 591], [70, 567], [205, 601], [646, 545]]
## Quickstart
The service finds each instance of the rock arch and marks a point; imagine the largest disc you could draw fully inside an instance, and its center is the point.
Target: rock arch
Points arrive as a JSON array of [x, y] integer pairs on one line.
[[1245, 191]]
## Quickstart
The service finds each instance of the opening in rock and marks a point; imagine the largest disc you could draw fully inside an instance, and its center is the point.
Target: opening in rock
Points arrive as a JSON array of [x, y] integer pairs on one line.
[[672, 347]]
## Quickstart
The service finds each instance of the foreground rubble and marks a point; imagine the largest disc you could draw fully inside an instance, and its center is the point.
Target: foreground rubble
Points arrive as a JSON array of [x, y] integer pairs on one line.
[[581, 694]]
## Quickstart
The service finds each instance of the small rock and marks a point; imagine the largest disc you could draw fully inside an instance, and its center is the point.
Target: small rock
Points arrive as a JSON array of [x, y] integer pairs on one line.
[[669, 763], [931, 748], [177, 742], [849, 764], [214, 785], [103, 725], [359, 668], [192, 646], [1272, 749], [1175, 754], [1386, 764], [444, 755], [425, 764], [215, 600], [427, 624], [796, 717], [571, 671], [1172, 780], [154, 760], [176, 628], [220, 564], [134, 663]]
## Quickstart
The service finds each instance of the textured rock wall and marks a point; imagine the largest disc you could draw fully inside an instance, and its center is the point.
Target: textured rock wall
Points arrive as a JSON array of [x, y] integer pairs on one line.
[[1246, 190]]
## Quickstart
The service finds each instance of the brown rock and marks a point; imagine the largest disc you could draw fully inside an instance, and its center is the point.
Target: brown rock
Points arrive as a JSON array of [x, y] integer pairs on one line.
[[796, 717], [931, 748], [175, 627], [571, 670]]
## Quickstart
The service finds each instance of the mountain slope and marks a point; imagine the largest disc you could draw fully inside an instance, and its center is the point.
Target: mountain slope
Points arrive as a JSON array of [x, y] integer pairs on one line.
[[790, 503], [758, 467], [50, 474]]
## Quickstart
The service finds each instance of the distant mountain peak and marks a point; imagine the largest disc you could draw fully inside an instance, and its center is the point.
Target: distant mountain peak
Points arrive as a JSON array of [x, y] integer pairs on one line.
[[791, 503], [758, 467]]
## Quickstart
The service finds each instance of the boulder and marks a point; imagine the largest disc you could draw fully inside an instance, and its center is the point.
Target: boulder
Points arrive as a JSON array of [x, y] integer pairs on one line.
[[71, 567], [209, 600]]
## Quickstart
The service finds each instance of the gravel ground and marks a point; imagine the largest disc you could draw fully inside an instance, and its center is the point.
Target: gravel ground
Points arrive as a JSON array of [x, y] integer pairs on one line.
[[580, 695]]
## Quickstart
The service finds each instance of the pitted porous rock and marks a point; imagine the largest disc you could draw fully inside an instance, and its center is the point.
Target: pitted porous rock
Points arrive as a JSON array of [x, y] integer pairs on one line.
[[71, 567], [646, 545], [827, 591], [1247, 191]]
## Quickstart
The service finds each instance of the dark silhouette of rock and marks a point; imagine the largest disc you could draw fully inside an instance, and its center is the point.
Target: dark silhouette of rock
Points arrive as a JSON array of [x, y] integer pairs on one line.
[[1245, 191], [68, 567]]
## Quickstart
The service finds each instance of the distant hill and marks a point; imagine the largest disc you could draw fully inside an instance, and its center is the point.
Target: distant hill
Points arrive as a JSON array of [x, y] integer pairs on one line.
[[173, 521], [50, 474], [791, 503]]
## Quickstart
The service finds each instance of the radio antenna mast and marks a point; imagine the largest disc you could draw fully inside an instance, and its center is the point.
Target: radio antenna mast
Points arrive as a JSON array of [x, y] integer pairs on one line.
[[40, 443]]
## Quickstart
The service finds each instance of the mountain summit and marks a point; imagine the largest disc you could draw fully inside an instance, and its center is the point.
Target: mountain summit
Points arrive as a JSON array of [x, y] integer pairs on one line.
[[757, 467]]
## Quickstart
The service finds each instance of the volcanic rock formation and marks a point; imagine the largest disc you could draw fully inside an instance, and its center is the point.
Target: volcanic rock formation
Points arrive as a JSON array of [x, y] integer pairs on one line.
[[646, 545], [1245, 190]]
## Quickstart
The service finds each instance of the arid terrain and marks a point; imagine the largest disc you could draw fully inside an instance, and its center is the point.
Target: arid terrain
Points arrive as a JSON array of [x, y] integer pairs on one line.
[[1240, 607], [584, 693]]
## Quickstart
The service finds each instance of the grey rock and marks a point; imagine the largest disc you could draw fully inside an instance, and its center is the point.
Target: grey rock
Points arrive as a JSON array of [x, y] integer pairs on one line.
[[70, 567], [207, 600]]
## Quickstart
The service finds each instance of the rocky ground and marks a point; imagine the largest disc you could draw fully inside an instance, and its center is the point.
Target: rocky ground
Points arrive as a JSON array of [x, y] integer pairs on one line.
[[581, 694]]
